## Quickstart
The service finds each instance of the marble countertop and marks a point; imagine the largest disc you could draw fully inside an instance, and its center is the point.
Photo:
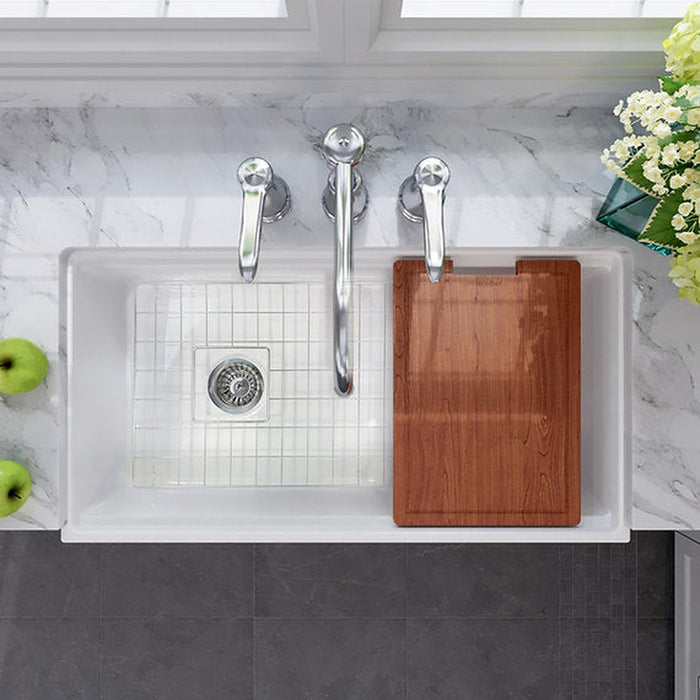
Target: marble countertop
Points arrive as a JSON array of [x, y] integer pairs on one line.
[[521, 176]]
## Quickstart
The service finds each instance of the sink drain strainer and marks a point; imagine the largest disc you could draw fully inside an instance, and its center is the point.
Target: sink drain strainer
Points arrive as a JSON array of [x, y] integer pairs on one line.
[[236, 385]]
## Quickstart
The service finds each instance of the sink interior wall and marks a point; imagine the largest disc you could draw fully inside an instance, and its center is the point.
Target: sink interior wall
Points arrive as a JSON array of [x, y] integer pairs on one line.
[[97, 392], [601, 407]]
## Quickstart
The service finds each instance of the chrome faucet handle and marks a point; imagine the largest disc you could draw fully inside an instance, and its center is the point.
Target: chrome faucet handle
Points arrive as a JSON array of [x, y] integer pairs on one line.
[[421, 200], [265, 198], [343, 146]]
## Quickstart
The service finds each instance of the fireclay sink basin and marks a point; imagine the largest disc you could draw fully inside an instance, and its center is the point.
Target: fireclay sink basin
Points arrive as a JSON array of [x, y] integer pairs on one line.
[[199, 407]]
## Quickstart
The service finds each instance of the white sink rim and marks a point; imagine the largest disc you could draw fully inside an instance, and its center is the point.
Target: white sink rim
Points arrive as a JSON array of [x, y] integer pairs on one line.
[[120, 514]]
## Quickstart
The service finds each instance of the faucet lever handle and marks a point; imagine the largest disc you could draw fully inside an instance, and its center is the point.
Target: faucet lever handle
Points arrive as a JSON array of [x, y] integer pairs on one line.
[[421, 200], [265, 198]]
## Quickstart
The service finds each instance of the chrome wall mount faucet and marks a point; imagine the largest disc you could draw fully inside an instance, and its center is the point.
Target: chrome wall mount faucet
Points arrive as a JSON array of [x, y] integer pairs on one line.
[[265, 198], [421, 199], [344, 201]]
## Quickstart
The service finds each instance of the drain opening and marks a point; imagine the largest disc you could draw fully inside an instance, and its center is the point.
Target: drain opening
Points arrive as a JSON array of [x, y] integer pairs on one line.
[[236, 385]]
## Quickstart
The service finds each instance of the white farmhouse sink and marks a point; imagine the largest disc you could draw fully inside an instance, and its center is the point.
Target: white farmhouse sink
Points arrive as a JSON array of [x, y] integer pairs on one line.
[[149, 457]]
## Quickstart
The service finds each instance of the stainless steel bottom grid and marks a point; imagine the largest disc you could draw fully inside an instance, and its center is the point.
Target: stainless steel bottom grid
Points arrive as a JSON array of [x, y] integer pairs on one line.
[[311, 437]]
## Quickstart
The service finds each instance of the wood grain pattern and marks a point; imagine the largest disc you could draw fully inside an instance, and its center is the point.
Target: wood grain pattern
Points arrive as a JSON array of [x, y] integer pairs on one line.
[[487, 426]]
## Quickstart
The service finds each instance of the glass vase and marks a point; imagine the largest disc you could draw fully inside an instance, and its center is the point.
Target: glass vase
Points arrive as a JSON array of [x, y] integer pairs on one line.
[[627, 210]]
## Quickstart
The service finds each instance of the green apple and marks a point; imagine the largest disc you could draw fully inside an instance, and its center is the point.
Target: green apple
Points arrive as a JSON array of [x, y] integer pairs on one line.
[[15, 486], [23, 366]]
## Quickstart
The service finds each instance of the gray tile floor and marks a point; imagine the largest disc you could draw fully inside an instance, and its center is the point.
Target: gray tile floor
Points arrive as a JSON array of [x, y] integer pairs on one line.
[[365, 622]]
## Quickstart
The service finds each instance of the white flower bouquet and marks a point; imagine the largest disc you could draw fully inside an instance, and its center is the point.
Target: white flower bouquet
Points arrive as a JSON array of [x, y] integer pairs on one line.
[[660, 153]]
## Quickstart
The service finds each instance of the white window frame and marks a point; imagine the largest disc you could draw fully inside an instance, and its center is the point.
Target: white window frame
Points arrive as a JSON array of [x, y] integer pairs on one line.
[[596, 49], [144, 43], [328, 45]]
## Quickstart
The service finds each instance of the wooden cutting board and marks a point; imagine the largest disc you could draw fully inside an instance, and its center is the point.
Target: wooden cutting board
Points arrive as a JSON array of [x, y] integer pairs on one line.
[[487, 427]]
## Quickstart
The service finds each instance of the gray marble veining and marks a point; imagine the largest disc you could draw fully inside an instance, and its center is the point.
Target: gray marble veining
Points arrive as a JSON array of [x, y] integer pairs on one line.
[[166, 177]]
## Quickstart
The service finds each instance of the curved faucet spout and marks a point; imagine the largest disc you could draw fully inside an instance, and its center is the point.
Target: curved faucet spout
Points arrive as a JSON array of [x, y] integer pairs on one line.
[[343, 281], [343, 147]]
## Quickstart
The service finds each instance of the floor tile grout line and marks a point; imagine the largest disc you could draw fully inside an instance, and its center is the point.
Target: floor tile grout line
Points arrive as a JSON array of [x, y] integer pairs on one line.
[[611, 624], [405, 620], [636, 613], [155, 617], [159, 616], [101, 625], [559, 625], [164, 617], [405, 657], [595, 677], [254, 619], [405, 580], [369, 617], [573, 598], [364, 616]]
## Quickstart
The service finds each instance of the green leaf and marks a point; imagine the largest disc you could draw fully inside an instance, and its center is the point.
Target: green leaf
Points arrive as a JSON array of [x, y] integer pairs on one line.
[[634, 174], [658, 229], [670, 85], [685, 105], [678, 137]]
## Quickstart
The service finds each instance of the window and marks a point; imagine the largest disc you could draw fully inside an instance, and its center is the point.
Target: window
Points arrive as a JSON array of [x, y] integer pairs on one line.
[[144, 8], [542, 8], [410, 9]]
